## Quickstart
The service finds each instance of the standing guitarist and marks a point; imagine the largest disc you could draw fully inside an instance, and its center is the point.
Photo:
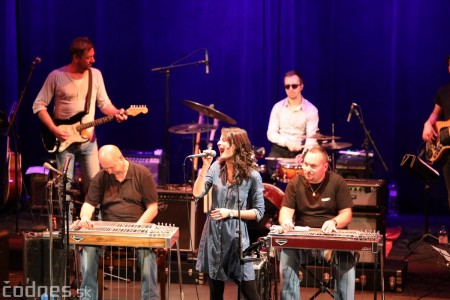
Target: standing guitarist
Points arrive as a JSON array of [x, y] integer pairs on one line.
[[430, 134], [77, 89]]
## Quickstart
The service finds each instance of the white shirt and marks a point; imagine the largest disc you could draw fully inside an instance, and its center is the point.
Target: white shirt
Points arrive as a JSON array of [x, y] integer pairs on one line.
[[293, 125]]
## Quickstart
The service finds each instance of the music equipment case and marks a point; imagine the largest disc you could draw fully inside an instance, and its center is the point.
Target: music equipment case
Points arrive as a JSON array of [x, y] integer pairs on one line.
[[189, 275]]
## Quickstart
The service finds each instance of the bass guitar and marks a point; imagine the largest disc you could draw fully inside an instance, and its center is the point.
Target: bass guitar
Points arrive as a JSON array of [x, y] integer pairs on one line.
[[436, 148], [78, 131]]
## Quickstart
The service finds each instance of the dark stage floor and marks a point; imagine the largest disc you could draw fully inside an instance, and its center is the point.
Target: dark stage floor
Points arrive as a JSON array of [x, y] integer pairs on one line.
[[427, 276]]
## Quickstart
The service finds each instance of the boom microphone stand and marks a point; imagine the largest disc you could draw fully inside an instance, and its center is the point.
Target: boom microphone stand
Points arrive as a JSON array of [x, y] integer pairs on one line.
[[368, 140], [167, 70], [17, 164]]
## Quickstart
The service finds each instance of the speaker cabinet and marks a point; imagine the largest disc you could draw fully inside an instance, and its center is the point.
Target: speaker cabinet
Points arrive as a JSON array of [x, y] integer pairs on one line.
[[36, 275], [38, 192], [368, 221], [4, 255], [151, 161], [180, 209], [367, 194]]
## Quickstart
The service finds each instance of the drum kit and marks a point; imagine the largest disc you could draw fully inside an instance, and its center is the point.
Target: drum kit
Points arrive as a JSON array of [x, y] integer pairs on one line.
[[287, 168]]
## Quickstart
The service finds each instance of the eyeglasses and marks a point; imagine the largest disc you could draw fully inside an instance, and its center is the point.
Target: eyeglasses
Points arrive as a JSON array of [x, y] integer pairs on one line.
[[293, 86]]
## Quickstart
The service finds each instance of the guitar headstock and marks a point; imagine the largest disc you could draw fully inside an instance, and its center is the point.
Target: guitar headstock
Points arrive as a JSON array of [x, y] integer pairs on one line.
[[134, 110]]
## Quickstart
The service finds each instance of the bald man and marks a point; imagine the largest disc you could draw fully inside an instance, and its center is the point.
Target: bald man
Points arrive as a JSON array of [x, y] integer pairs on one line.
[[125, 192]]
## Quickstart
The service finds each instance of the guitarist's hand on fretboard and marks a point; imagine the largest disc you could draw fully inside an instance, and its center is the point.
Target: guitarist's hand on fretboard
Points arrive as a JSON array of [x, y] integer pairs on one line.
[[121, 116]]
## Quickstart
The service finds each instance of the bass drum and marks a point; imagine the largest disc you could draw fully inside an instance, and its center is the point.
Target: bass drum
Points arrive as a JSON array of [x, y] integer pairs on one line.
[[274, 194]]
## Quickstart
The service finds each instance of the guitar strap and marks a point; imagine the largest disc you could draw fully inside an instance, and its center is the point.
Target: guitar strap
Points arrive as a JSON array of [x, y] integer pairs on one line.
[[89, 94]]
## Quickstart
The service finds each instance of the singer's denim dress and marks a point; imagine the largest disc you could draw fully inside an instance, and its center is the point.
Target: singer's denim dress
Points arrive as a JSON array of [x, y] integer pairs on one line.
[[217, 235]]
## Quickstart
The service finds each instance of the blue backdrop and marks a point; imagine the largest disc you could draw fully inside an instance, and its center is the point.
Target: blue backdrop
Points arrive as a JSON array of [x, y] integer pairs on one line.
[[386, 55]]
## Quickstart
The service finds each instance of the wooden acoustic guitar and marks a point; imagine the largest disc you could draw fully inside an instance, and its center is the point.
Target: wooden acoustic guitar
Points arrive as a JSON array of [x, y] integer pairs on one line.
[[436, 148], [78, 131]]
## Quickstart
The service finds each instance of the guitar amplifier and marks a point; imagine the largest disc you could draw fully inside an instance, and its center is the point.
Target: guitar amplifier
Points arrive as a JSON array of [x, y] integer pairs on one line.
[[36, 263], [177, 205], [152, 160], [367, 193]]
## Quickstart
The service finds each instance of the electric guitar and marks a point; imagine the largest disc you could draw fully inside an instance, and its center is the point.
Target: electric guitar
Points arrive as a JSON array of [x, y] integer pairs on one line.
[[78, 131], [436, 148]]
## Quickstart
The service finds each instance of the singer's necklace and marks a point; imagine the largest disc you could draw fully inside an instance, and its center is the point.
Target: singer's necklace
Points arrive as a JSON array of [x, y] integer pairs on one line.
[[314, 192]]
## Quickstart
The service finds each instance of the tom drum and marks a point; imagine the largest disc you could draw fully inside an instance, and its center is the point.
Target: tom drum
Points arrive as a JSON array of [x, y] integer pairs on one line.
[[287, 169]]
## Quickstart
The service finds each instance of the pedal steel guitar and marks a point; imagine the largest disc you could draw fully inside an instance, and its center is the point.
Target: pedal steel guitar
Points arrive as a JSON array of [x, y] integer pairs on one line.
[[127, 234], [104, 233], [342, 240]]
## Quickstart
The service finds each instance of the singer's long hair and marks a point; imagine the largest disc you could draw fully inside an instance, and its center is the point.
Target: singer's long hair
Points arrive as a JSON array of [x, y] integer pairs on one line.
[[244, 158]]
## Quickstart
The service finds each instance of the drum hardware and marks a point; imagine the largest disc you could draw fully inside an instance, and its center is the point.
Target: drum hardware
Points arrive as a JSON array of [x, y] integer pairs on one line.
[[209, 111]]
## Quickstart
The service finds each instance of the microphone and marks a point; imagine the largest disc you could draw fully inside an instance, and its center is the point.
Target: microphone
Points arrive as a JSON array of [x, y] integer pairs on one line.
[[352, 107], [211, 153], [36, 61], [50, 167], [206, 62], [66, 163]]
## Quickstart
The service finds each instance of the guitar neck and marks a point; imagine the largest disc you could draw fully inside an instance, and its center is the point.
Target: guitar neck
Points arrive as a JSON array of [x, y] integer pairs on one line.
[[96, 122]]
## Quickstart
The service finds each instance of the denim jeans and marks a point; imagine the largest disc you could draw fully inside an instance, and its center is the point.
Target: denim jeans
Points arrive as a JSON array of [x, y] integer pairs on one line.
[[87, 156], [89, 266], [344, 273]]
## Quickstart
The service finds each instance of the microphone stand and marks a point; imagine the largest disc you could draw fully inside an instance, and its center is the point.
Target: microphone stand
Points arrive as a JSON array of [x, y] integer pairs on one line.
[[242, 259], [65, 223], [49, 186], [15, 139], [167, 70], [368, 139]]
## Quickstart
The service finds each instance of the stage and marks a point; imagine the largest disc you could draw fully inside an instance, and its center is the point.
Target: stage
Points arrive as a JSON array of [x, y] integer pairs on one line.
[[427, 277]]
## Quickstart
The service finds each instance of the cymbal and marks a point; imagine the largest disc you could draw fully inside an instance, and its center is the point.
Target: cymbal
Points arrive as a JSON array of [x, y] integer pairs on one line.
[[319, 136], [209, 111], [191, 128], [336, 145]]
